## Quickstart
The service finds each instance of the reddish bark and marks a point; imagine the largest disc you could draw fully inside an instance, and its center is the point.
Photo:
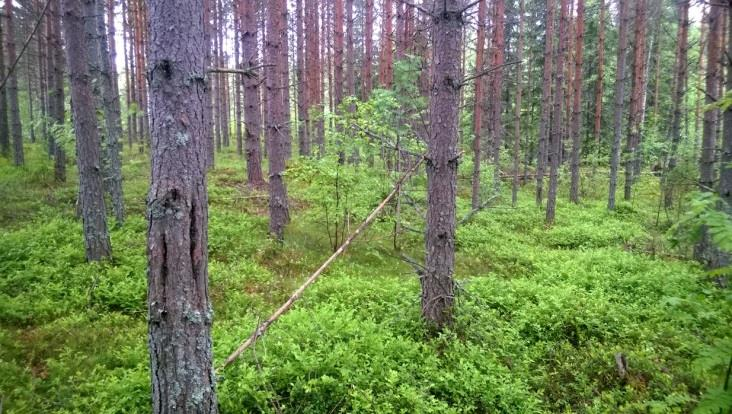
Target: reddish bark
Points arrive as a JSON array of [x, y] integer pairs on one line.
[[577, 106], [386, 61], [478, 103], [546, 99], [636, 96], [368, 51]]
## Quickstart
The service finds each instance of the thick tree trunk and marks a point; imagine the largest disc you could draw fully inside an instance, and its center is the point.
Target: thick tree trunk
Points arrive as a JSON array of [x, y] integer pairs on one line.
[[546, 99], [619, 102], [16, 129], [574, 193], [442, 164], [478, 103], [517, 105], [179, 311], [636, 96], [704, 251], [88, 158], [276, 82], [555, 144], [252, 112], [368, 49]]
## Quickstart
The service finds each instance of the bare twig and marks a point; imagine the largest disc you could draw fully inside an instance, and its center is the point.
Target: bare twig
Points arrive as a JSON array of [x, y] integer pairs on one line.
[[25, 45], [475, 211], [262, 328], [248, 72], [487, 71]]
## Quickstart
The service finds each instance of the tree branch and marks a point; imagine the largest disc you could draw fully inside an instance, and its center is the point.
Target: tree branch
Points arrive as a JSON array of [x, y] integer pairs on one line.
[[487, 71], [25, 45]]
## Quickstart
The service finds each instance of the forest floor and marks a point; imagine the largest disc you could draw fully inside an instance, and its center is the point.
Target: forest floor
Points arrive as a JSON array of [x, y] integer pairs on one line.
[[542, 317]]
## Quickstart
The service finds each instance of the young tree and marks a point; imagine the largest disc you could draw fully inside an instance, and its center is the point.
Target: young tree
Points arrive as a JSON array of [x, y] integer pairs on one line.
[[179, 311], [576, 124], [252, 111], [16, 129], [442, 162], [88, 158], [478, 102], [276, 84], [619, 102], [546, 95], [555, 143]]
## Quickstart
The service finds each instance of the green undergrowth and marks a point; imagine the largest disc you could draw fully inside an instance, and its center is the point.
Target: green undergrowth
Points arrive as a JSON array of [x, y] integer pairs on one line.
[[541, 315]]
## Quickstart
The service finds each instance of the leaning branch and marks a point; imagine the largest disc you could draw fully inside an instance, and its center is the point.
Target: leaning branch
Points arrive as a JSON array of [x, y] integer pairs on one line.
[[487, 71], [248, 72], [262, 328], [25, 45], [475, 211]]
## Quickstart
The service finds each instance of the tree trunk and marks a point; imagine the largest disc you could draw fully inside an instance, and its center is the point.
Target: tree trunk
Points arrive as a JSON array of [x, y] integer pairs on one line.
[[112, 115], [442, 164], [681, 75], [499, 19], [555, 144], [368, 51], [179, 311], [634, 118], [16, 129], [704, 251], [237, 80], [302, 87], [546, 99], [478, 103], [56, 66], [619, 102], [88, 158], [252, 112], [312, 66], [276, 82], [577, 109], [597, 124], [517, 107], [4, 129], [725, 166], [386, 62]]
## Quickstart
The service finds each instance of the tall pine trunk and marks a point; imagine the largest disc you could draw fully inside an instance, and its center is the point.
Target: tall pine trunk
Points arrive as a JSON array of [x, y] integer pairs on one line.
[[555, 142], [442, 165], [252, 112], [478, 103], [546, 99], [179, 310], [577, 104], [517, 105], [619, 102], [636, 97], [88, 157], [16, 128], [277, 133]]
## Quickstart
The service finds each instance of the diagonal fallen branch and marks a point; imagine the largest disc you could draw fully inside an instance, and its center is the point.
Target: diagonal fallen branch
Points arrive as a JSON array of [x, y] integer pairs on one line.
[[262, 328]]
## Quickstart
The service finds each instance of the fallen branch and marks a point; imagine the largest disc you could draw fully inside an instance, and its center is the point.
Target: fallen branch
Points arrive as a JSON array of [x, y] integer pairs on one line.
[[262, 328]]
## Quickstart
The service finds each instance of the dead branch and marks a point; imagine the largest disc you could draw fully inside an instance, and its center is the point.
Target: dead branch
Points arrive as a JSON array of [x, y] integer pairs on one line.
[[262, 328], [488, 71], [475, 211]]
